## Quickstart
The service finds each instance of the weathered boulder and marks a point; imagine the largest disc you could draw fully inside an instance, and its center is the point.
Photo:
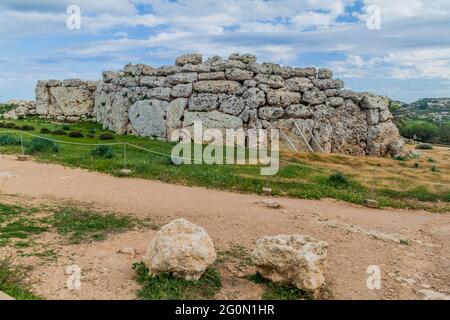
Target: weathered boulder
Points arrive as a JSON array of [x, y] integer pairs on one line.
[[380, 136], [203, 102], [254, 98], [182, 90], [232, 105], [175, 112], [270, 113], [73, 101], [324, 74], [213, 119], [314, 97], [238, 74], [299, 84], [372, 101], [283, 98], [299, 111], [180, 248], [220, 75], [148, 118], [178, 78], [294, 260], [193, 58], [220, 86], [153, 81], [272, 81]]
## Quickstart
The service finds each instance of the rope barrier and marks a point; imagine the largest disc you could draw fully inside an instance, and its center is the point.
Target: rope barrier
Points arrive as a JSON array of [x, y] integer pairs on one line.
[[115, 144]]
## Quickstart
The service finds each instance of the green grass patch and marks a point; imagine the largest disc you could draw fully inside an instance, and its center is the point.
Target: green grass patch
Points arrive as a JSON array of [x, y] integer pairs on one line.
[[82, 225], [12, 284], [275, 291], [167, 287]]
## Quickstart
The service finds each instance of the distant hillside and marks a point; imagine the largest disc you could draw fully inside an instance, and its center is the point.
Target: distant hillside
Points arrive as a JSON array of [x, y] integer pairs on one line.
[[429, 109]]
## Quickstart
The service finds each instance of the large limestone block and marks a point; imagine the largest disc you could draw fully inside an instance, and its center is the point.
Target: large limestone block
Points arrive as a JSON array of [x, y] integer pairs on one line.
[[219, 75], [314, 97], [73, 101], [299, 84], [148, 118], [221, 86], [294, 260], [180, 248], [182, 90], [213, 120], [186, 77], [254, 98], [299, 111], [175, 112], [327, 84], [232, 105], [272, 81], [203, 102], [270, 113], [238, 74], [192, 58], [283, 98], [349, 130], [372, 101], [379, 138]]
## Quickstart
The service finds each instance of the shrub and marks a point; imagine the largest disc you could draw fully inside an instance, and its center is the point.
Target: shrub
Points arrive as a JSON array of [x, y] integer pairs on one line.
[[75, 134], [27, 128], [59, 132], [416, 165], [338, 178], [434, 169], [90, 135], [92, 131], [8, 141], [103, 152], [17, 127], [2, 124], [45, 130], [41, 145], [66, 127], [9, 125], [106, 136], [424, 146]]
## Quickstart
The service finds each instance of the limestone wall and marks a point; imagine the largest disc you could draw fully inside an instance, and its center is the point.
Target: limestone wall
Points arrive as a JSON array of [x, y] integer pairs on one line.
[[70, 100], [233, 93], [238, 92]]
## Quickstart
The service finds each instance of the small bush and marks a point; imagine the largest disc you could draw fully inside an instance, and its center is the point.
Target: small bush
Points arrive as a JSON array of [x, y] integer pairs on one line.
[[416, 165], [2, 124], [9, 125], [41, 145], [431, 160], [434, 169], [66, 127], [27, 128], [75, 134], [59, 132], [424, 146], [106, 136], [338, 178], [17, 127], [8, 141], [92, 131], [90, 135], [400, 158], [45, 130], [103, 152]]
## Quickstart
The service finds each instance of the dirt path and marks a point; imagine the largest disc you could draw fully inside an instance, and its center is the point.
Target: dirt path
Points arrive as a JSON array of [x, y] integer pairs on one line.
[[412, 248]]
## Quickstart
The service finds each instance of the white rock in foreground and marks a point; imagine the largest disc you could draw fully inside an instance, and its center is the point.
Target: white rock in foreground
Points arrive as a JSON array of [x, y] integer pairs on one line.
[[294, 260], [182, 249]]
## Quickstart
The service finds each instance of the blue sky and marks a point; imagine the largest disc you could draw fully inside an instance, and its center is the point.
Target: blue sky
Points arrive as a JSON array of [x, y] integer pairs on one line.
[[406, 59]]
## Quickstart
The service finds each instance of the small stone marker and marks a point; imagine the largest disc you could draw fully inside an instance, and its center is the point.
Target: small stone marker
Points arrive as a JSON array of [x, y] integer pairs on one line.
[[370, 203], [266, 192], [125, 172], [23, 157]]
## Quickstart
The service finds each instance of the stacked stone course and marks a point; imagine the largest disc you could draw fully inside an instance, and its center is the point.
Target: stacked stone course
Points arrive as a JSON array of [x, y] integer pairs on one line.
[[229, 94]]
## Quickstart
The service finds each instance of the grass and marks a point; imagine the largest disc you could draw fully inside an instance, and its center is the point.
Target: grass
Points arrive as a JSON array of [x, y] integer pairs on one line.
[[307, 176], [76, 225], [275, 291], [83, 225], [12, 284], [167, 287]]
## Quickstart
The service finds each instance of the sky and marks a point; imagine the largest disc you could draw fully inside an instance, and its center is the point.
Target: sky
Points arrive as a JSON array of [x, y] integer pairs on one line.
[[400, 49]]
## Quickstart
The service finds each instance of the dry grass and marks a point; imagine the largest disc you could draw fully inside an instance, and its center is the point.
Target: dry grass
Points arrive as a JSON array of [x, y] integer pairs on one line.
[[386, 172]]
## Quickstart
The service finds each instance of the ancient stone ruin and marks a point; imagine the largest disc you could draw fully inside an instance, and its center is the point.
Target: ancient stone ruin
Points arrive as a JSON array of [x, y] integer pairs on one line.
[[313, 110]]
